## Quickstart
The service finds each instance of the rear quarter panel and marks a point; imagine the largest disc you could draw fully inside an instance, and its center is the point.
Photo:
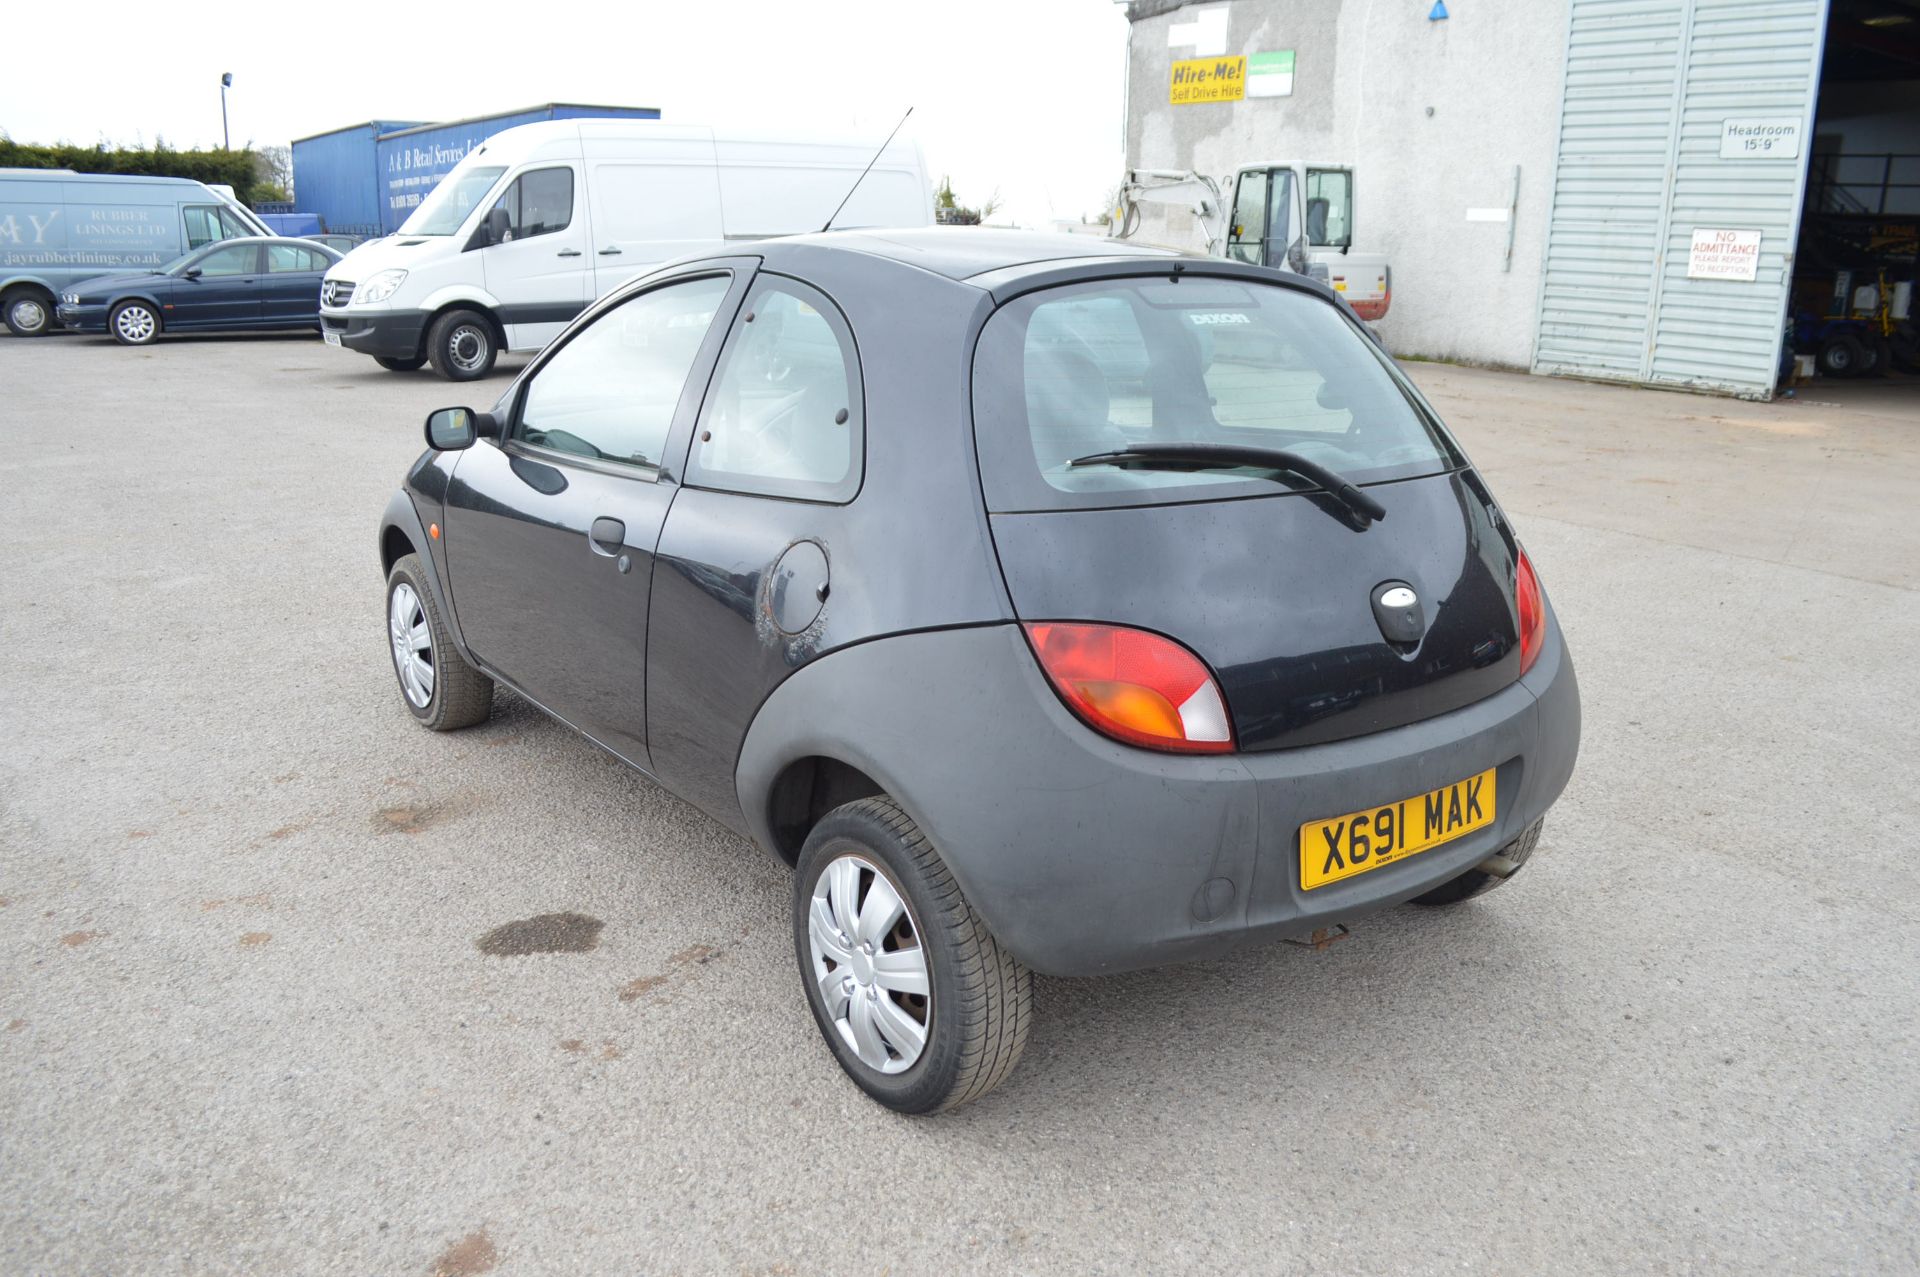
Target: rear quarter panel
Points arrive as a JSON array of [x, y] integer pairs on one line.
[[910, 552]]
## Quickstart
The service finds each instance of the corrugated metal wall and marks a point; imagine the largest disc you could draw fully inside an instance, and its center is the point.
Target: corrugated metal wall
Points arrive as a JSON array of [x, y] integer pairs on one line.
[[1649, 84], [336, 176]]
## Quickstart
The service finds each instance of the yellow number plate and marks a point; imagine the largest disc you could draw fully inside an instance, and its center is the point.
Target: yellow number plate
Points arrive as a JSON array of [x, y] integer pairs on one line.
[[1359, 841]]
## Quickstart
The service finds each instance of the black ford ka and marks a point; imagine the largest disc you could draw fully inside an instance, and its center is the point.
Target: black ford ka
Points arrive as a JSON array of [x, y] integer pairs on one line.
[[1047, 604]]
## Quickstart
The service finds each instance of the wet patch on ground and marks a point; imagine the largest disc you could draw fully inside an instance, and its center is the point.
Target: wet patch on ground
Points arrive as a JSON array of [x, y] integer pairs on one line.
[[654, 988], [253, 939], [74, 939], [469, 1257], [543, 933], [577, 1046]]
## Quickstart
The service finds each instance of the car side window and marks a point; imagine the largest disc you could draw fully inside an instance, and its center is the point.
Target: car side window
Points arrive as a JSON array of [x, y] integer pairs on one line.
[[241, 259], [283, 259], [538, 203], [610, 392], [785, 415]]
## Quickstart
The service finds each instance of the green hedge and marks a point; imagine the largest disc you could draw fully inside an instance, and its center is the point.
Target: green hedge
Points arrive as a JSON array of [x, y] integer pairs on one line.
[[231, 168]]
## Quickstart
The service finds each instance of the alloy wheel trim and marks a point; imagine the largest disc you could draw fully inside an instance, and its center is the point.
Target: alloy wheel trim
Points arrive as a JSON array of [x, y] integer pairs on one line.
[[135, 323], [869, 964], [412, 644]]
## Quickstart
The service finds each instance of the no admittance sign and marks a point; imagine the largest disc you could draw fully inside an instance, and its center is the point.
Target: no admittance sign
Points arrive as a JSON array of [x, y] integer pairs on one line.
[[1724, 255]]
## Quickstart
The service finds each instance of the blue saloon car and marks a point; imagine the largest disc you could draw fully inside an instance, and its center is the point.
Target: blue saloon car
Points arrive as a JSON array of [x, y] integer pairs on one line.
[[258, 283]]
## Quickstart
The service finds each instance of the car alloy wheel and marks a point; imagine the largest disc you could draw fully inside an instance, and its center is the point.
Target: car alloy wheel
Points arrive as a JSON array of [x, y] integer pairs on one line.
[[134, 325], [869, 964], [412, 645]]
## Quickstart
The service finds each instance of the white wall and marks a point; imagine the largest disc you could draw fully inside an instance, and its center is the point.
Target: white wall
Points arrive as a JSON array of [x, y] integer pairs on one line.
[[1366, 73]]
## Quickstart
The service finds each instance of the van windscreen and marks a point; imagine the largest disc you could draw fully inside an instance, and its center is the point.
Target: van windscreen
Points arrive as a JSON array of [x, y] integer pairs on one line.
[[1065, 374], [448, 204]]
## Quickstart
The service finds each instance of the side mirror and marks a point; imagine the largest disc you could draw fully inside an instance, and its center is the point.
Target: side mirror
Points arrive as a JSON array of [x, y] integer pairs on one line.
[[452, 429], [499, 225], [191, 272]]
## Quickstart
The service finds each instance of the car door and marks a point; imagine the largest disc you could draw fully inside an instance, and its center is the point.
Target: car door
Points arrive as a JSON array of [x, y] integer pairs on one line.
[[741, 575], [550, 534], [538, 272], [290, 292], [219, 290]]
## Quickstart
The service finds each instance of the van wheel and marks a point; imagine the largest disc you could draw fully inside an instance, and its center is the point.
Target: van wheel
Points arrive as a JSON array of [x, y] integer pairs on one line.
[[134, 324], [1488, 874], [401, 365], [916, 999], [28, 311], [462, 345]]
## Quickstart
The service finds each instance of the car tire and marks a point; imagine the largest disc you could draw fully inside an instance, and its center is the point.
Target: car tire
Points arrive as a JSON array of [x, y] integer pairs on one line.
[[978, 999], [462, 345], [1488, 874], [414, 364], [28, 312], [1843, 355], [134, 323], [449, 693]]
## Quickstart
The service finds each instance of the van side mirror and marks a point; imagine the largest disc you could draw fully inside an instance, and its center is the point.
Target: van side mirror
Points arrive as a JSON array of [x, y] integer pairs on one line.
[[191, 272], [499, 225], [453, 429]]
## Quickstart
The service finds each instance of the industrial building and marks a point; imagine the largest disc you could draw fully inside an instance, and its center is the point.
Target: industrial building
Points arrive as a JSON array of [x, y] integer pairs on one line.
[[364, 179], [1679, 193]]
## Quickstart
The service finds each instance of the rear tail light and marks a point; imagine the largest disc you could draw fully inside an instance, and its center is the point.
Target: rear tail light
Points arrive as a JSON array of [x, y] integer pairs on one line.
[[1134, 686], [1533, 613]]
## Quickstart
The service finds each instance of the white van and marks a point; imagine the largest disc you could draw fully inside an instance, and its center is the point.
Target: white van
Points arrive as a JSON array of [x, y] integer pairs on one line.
[[539, 220], [58, 227]]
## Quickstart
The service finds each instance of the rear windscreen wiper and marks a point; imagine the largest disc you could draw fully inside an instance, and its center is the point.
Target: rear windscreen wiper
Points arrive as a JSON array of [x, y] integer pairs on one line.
[[1209, 456]]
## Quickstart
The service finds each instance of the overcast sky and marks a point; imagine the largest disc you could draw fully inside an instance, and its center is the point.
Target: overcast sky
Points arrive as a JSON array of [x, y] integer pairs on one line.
[[1023, 95]]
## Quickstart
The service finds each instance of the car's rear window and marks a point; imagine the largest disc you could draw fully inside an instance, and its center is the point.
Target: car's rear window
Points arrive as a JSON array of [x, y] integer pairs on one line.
[[1091, 368]]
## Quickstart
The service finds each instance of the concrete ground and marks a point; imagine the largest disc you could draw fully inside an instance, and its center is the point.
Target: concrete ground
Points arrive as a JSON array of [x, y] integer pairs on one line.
[[245, 1025]]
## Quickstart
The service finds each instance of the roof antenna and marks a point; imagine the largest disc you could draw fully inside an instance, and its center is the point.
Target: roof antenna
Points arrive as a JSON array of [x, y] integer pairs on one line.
[[863, 172]]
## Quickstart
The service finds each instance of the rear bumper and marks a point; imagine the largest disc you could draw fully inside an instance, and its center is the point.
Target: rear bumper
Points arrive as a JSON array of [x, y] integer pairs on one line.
[[385, 334], [1085, 856]]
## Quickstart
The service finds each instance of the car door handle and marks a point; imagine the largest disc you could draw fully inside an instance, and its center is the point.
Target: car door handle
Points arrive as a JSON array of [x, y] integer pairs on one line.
[[607, 536], [609, 252], [568, 252]]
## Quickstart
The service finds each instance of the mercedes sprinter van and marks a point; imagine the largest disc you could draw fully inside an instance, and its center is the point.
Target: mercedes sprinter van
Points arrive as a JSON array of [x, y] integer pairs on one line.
[[539, 220]]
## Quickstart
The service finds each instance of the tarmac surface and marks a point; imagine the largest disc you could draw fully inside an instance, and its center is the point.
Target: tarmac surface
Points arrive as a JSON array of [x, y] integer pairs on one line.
[[263, 1005]]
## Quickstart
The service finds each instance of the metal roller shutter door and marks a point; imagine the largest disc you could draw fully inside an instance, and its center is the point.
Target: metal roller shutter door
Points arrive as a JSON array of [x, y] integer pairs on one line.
[[1649, 84]]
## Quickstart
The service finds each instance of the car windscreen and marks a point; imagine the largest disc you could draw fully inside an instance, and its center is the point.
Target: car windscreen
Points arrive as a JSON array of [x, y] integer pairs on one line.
[[448, 204], [1067, 373]]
